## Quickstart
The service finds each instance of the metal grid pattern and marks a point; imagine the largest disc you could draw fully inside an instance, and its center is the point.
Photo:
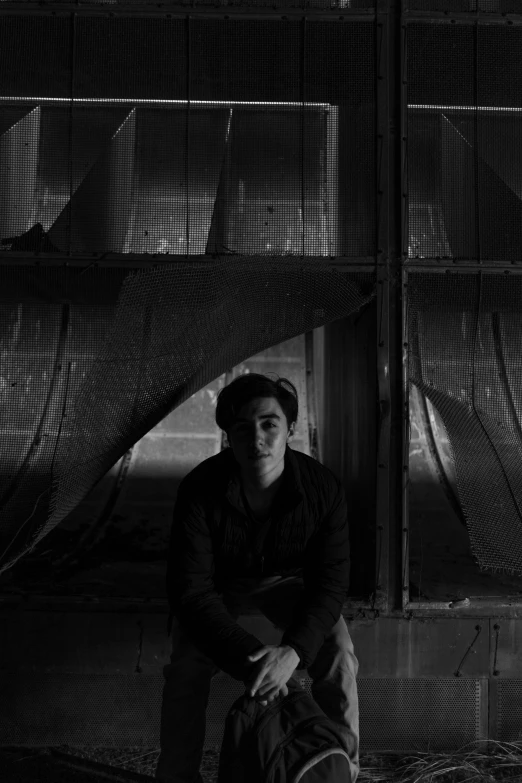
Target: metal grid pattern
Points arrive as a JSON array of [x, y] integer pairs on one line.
[[92, 709], [464, 141], [244, 142], [464, 355], [123, 710], [405, 715], [187, 136], [399, 715], [509, 727], [99, 375]]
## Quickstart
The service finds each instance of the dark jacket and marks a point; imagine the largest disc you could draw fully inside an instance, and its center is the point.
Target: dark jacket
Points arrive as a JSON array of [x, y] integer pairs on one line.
[[212, 542]]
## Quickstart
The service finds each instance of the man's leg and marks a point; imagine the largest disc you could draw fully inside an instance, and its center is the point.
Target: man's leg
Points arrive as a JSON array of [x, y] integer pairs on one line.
[[334, 687], [183, 710], [334, 671]]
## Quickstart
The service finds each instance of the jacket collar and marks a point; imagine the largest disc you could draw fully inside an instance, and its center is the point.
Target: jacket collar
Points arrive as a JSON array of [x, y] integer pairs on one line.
[[290, 494]]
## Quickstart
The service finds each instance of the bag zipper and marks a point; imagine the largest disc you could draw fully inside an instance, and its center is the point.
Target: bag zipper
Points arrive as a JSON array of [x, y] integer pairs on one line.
[[266, 716]]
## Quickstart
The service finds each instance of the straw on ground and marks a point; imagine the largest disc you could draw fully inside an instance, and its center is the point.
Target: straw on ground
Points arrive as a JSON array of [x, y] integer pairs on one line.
[[483, 761]]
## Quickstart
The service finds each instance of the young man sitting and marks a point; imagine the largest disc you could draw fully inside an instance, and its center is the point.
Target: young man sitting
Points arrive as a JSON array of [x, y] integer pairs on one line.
[[257, 525]]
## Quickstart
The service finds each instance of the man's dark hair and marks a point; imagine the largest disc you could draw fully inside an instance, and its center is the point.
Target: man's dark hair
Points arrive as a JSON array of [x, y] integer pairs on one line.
[[249, 386]]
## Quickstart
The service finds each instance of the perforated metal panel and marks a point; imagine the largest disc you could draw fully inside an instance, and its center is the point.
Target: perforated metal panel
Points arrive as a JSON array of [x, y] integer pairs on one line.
[[221, 135], [464, 132], [124, 710], [239, 138], [73, 709], [419, 714], [395, 715], [509, 712]]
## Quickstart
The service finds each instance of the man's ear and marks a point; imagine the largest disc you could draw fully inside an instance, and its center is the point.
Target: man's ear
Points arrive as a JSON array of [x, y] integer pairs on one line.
[[291, 431]]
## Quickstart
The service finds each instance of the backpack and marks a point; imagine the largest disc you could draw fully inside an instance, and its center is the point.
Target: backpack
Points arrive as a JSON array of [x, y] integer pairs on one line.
[[290, 740]]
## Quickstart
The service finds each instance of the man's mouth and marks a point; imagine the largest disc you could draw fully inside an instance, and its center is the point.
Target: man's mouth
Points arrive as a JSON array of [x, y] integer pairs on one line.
[[258, 456]]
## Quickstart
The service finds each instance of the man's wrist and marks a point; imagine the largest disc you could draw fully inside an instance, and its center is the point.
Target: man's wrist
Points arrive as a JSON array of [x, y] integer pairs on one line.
[[288, 647]]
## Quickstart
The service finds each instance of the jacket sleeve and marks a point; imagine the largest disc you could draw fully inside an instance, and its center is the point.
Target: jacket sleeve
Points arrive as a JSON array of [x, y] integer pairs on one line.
[[191, 592], [326, 576]]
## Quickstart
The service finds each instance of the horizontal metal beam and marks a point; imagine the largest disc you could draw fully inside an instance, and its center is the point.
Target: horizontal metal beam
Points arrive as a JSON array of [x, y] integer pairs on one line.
[[176, 11], [32, 602], [491, 607], [175, 104], [462, 17], [497, 267], [136, 261]]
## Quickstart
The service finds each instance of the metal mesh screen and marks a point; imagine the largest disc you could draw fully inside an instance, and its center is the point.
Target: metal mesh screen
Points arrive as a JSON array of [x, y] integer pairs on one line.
[[508, 710], [465, 141], [93, 709], [84, 378], [418, 714], [187, 136], [402, 715], [53, 322], [245, 142], [465, 332]]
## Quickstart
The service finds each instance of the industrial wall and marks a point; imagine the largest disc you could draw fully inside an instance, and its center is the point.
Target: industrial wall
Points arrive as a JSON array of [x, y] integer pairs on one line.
[[330, 191], [115, 541]]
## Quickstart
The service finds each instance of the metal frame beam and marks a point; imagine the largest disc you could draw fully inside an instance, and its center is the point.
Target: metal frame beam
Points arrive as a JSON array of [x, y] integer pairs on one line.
[[176, 10], [136, 261], [390, 229]]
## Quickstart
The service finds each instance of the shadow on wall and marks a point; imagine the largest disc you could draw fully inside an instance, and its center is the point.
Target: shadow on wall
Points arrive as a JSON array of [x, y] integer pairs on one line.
[[114, 543], [119, 554]]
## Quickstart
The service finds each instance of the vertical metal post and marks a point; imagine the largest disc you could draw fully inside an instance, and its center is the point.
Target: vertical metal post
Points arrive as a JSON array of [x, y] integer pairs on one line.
[[72, 119], [381, 594], [404, 400], [187, 133], [390, 230], [332, 178], [311, 397], [405, 405], [400, 438]]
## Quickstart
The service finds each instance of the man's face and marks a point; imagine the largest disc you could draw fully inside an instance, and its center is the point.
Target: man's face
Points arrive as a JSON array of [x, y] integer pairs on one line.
[[259, 436]]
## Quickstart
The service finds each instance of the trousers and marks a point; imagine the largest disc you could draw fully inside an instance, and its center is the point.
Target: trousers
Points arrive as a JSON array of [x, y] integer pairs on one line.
[[188, 676]]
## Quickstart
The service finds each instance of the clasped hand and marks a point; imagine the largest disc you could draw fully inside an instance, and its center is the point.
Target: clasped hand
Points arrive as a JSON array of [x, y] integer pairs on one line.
[[275, 667]]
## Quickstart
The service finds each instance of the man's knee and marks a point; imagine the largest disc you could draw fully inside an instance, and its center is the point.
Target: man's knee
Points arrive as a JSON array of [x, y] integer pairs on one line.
[[340, 635], [338, 650]]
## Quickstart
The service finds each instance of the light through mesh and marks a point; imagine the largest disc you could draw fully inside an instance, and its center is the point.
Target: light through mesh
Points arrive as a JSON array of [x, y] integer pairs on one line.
[[241, 148], [465, 332], [85, 378], [187, 136]]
